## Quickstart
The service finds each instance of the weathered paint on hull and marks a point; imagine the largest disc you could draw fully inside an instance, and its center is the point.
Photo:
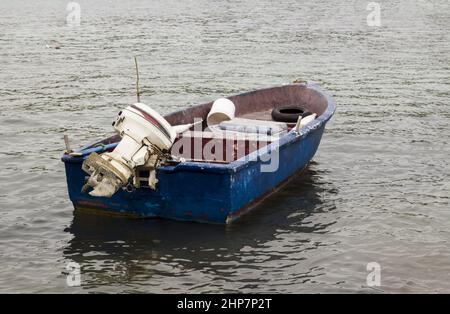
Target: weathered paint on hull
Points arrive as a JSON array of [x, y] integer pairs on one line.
[[198, 196], [202, 192]]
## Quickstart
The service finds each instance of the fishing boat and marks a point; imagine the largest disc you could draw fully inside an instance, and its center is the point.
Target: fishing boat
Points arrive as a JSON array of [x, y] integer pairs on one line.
[[242, 159]]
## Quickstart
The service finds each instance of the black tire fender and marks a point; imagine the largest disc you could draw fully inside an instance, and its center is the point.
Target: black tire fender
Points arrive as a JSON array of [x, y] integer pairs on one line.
[[289, 114]]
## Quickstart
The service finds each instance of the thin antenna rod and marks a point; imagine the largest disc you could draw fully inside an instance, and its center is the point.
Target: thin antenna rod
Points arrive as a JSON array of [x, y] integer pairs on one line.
[[137, 81]]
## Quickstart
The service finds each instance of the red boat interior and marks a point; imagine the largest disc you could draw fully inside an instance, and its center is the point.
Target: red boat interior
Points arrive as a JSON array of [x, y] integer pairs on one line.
[[256, 105]]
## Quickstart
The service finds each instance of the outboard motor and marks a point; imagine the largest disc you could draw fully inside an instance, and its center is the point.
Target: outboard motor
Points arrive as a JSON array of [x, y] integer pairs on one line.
[[146, 140]]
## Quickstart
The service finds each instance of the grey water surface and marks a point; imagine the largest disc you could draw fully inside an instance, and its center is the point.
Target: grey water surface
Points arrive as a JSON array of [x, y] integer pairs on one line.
[[377, 190]]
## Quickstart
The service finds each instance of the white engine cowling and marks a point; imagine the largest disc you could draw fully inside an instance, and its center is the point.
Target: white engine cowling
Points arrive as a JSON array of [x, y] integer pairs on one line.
[[146, 139]]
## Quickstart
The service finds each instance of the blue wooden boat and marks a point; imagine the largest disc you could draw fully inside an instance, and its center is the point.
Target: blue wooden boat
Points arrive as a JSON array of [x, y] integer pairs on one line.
[[202, 190]]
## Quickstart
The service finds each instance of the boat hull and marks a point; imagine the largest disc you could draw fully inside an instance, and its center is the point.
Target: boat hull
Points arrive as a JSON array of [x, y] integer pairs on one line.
[[206, 192]]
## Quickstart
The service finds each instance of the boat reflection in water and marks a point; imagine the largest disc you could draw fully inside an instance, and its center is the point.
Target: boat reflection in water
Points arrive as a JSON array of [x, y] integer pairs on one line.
[[175, 255]]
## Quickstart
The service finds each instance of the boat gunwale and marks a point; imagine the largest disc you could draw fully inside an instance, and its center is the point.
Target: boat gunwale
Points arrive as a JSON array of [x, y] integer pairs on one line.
[[236, 165]]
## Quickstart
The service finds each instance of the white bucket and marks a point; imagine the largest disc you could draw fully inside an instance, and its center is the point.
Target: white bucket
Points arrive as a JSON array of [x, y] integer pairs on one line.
[[222, 110]]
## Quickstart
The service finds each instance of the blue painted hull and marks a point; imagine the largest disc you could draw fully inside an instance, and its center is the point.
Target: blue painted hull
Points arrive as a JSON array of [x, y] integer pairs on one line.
[[205, 192]]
